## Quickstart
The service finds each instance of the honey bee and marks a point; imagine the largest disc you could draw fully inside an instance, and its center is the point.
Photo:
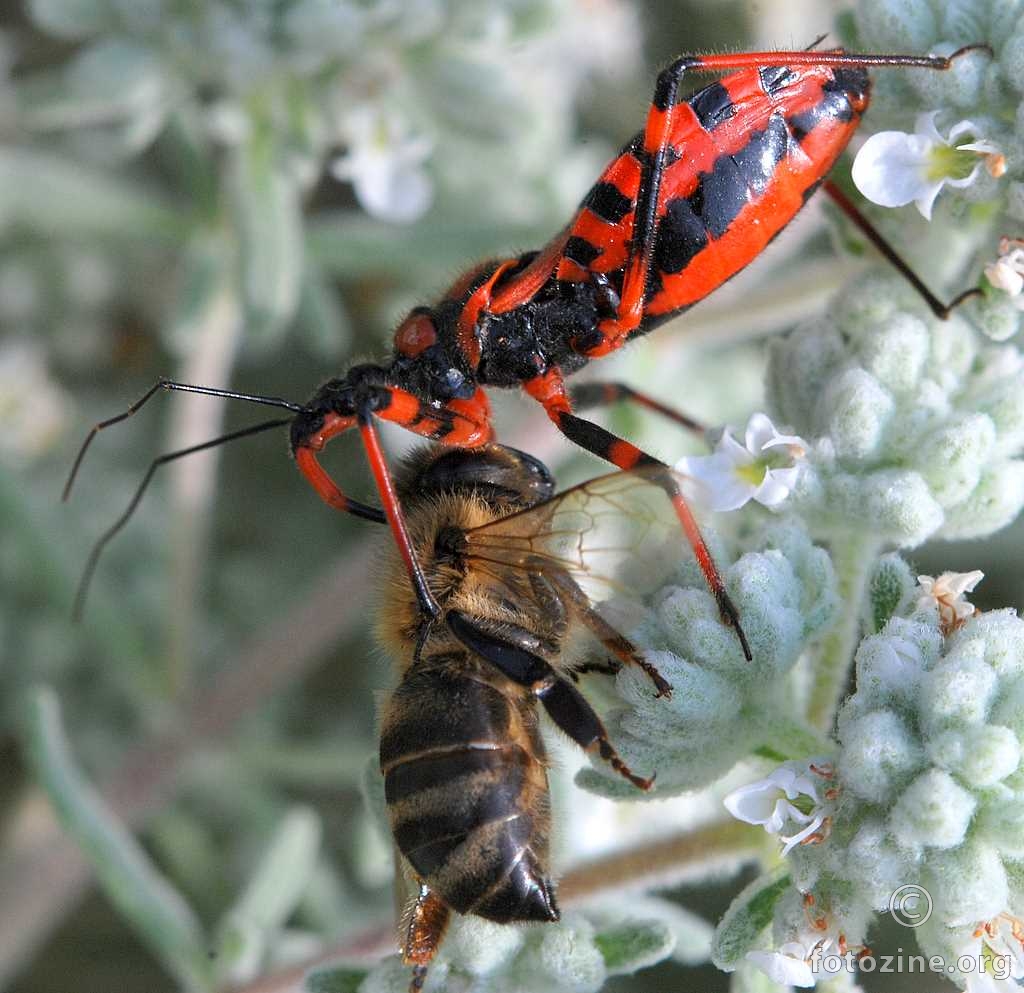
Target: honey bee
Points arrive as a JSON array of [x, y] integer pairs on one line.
[[513, 568]]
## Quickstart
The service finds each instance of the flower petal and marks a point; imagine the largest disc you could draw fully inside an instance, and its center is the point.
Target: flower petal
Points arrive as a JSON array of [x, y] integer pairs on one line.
[[786, 970], [719, 487], [925, 199], [760, 433], [754, 804], [776, 486], [891, 168], [794, 839]]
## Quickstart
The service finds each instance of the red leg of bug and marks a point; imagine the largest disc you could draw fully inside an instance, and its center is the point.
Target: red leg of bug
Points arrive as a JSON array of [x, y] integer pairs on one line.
[[422, 931], [549, 389], [601, 394], [460, 422], [305, 457], [850, 209]]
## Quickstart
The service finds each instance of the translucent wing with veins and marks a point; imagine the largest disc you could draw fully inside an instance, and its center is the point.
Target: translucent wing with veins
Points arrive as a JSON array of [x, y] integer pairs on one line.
[[615, 535]]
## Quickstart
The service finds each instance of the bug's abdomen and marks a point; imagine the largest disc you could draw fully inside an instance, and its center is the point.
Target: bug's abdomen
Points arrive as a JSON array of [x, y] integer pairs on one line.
[[467, 793], [749, 150]]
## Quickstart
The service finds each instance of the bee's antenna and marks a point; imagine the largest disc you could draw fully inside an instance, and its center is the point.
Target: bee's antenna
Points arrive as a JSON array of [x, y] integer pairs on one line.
[[167, 384], [94, 555]]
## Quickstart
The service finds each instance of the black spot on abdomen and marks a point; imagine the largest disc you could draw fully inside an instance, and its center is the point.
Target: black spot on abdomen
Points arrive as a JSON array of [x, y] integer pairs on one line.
[[712, 105], [681, 235], [581, 251], [759, 158], [608, 202]]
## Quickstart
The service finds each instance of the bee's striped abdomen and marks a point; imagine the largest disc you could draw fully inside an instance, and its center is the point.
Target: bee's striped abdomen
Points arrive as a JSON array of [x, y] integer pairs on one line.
[[467, 793]]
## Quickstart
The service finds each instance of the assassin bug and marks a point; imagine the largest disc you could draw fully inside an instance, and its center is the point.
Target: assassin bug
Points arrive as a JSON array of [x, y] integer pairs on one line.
[[690, 201]]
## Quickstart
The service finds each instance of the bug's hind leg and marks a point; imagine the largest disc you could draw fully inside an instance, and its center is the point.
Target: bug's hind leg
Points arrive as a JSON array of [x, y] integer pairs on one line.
[[852, 211], [423, 929]]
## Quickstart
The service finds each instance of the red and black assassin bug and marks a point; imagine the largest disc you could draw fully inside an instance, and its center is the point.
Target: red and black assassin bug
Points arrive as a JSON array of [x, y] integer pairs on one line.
[[689, 201]]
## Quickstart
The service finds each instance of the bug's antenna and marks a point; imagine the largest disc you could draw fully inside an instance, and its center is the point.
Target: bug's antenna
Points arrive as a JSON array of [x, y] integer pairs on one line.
[[167, 384], [94, 555]]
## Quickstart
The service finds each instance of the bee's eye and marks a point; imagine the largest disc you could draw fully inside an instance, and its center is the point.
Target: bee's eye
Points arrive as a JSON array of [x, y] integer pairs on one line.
[[415, 334]]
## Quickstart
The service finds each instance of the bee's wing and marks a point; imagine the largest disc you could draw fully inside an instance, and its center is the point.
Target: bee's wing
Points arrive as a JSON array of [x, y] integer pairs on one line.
[[615, 535]]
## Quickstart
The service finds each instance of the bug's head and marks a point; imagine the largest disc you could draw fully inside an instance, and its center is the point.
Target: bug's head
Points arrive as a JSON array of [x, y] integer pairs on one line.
[[363, 387], [426, 362]]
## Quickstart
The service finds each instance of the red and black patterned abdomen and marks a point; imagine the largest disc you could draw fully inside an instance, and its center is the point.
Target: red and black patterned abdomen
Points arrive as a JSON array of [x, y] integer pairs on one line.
[[467, 793], [747, 152]]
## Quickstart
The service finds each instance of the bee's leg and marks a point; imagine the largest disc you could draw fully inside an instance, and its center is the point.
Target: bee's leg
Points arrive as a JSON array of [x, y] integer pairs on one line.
[[550, 600], [565, 705], [607, 668], [619, 645], [422, 931]]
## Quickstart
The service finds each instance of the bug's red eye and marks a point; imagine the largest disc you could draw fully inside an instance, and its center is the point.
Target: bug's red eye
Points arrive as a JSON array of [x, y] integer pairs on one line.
[[414, 334]]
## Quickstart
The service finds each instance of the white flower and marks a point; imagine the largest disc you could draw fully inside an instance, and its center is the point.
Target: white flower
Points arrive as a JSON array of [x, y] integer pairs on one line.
[[948, 593], [765, 469], [1003, 947], [768, 801], [789, 966], [814, 954], [383, 163], [1007, 272], [894, 168]]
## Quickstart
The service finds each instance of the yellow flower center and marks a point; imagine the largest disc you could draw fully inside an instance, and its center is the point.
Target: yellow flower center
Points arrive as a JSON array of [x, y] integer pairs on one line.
[[753, 472], [945, 162]]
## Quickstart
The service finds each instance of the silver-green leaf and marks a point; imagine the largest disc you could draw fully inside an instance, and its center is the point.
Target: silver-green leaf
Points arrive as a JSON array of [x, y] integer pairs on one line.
[[143, 895]]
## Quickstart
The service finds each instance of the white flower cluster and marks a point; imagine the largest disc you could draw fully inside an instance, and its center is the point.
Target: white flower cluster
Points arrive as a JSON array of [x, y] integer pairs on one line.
[[722, 705], [929, 767], [915, 427], [926, 790]]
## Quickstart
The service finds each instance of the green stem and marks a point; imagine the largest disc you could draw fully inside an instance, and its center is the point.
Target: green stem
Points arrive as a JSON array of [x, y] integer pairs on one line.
[[853, 556], [216, 331], [688, 855]]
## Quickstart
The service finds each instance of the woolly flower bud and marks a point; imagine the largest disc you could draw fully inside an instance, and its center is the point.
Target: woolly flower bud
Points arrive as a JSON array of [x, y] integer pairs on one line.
[[914, 427], [573, 956], [977, 83], [722, 705], [928, 765]]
